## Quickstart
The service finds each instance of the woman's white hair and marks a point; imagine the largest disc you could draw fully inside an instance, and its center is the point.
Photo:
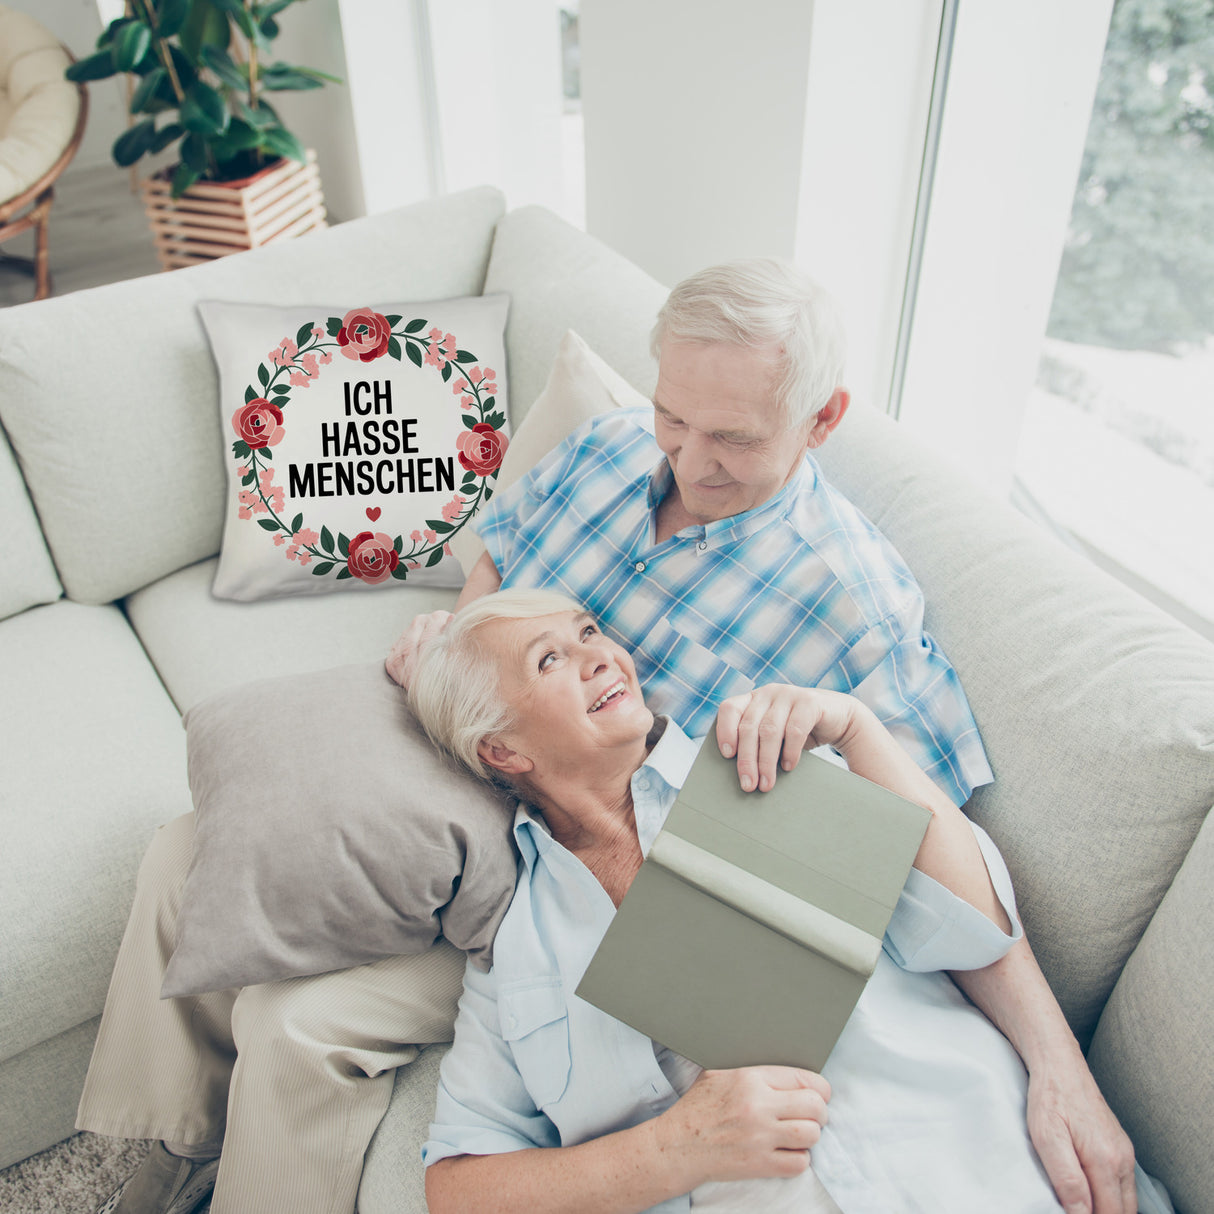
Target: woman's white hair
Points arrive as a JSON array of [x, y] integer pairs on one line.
[[763, 303], [454, 691]]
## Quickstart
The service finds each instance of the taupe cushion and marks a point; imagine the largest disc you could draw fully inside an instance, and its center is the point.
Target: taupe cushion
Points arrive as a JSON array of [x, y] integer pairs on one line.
[[1153, 1053], [329, 833], [1096, 709], [132, 491]]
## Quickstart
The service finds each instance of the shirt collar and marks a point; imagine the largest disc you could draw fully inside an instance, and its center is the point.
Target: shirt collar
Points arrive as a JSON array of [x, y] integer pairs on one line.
[[655, 785], [737, 526]]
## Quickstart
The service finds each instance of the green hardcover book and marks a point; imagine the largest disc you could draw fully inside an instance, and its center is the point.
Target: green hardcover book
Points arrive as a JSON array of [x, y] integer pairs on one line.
[[756, 919]]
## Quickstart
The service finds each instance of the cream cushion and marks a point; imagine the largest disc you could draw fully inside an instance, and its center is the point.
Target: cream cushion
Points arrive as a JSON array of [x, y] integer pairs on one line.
[[38, 106]]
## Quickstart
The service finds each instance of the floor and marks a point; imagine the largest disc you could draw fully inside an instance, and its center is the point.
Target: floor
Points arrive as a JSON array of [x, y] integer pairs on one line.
[[98, 234]]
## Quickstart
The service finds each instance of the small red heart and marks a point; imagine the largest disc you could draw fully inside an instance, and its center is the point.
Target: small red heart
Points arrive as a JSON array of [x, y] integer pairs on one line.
[[373, 513]]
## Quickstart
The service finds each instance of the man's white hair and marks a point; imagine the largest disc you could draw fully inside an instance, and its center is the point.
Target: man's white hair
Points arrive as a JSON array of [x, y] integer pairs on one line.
[[455, 692], [763, 303]]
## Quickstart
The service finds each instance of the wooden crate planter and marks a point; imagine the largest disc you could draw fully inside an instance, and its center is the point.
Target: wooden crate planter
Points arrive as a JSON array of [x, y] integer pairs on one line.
[[215, 218]]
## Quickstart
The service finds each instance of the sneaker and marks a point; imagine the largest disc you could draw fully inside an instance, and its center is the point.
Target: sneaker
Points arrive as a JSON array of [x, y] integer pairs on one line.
[[164, 1184]]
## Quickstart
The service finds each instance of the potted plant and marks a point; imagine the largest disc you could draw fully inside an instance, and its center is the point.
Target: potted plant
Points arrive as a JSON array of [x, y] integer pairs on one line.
[[201, 71]]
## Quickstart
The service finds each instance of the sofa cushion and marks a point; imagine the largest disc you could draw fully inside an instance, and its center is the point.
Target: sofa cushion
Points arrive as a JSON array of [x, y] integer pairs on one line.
[[93, 760], [28, 577], [109, 396], [407, 400], [202, 645], [1097, 711], [1153, 1054], [559, 278]]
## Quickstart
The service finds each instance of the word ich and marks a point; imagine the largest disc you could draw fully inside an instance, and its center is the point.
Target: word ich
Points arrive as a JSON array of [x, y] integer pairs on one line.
[[381, 434]]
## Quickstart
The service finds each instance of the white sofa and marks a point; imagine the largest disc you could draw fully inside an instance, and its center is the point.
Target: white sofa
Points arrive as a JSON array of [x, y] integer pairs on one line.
[[1097, 711]]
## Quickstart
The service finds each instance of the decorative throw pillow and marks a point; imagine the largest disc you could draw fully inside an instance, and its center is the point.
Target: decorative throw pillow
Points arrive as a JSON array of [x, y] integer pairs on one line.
[[343, 838], [358, 441], [580, 386]]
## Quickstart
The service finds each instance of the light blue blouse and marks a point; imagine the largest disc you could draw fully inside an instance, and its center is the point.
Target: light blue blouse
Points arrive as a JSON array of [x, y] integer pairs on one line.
[[928, 1104]]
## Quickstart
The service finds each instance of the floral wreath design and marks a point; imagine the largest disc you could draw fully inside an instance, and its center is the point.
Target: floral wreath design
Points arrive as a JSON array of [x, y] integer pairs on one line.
[[365, 335]]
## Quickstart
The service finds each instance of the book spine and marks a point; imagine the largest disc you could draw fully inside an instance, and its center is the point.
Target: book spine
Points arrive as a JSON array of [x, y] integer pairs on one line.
[[802, 922]]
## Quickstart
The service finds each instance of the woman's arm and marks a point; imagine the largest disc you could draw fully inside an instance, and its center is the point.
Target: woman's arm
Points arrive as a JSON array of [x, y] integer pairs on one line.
[[730, 1125], [769, 727]]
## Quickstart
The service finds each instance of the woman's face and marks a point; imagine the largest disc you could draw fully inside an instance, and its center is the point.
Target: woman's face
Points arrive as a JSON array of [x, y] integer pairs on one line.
[[574, 693]]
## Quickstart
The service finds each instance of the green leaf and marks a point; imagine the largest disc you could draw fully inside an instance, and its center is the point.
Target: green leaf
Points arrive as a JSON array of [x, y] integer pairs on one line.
[[145, 93], [394, 348], [344, 573], [271, 8], [414, 326], [326, 539], [130, 45], [415, 355], [323, 568], [488, 402], [463, 356], [297, 522], [398, 543], [183, 178], [268, 28], [446, 372], [281, 401], [260, 119], [107, 36], [433, 559], [166, 135], [171, 16], [280, 77], [303, 334], [194, 153], [267, 524], [393, 321], [469, 420], [333, 326], [281, 142], [204, 26], [343, 545], [441, 527], [249, 479], [263, 374], [240, 449], [203, 111], [225, 67], [400, 573], [250, 393], [132, 143], [496, 420], [187, 73], [93, 67]]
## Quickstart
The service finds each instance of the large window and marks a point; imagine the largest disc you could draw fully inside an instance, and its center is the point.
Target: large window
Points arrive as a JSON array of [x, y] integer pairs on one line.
[[1117, 444]]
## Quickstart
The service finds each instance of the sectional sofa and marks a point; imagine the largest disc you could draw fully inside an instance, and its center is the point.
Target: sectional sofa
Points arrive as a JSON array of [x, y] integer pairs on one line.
[[1097, 711]]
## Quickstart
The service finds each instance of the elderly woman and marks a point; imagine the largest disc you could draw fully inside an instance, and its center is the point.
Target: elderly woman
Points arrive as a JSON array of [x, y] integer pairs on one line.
[[547, 1103]]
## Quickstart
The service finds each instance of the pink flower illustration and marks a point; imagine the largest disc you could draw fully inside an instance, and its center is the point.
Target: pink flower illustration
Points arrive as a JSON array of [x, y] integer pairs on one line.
[[451, 510], [317, 333], [461, 385], [258, 423], [280, 539], [372, 557], [435, 357], [309, 364], [305, 537], [364, 335], [431, 536], [244, 512], [481, 449], [435, 334], [468, 402], [475, 375], [304, 558], [416, 537], [299, 379], [449, 345]]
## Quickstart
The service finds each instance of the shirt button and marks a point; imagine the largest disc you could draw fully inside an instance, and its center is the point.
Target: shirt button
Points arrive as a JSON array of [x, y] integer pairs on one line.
[[639, 566], [702, 545]]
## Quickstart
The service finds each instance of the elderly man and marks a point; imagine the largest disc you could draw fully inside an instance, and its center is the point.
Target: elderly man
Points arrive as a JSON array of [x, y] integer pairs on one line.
[[704, 538]]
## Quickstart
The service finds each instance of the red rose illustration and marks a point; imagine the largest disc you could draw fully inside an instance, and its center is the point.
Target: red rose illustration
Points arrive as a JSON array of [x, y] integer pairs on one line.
[[372, 557], [481, 448], [364, 335], [259, 423]]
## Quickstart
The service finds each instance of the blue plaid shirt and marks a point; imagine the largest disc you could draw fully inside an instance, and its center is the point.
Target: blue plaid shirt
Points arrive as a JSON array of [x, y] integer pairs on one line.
[[802, 589]]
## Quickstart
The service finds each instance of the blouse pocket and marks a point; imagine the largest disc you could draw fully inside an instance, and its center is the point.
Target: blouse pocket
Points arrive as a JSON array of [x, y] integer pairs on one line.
[[680, 671], [535, 1023]]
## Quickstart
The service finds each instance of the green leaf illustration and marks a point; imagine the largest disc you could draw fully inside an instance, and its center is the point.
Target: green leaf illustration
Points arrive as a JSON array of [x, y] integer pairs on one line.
[[437, 524], [343, 545], [394, 348], [400, 573], [297, 522], [333, 326], [305, 332], [415, 326], [398, 543], [496, 420], [463, 356], [267, 524], [326, 539], [250, 393], [469, 420], [415, 354], [323, 568], [393, 321], [446, 372], [263, 374], [249, 479], [344, 573], [434, 558], [240, 449]]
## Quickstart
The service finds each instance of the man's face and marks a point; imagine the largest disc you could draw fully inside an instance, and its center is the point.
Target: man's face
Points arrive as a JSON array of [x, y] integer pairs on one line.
[[573, 691], [716, 419]]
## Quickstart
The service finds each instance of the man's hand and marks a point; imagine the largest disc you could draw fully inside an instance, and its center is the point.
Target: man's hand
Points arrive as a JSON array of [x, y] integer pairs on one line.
[[403, 656], [770, 727], [1086, 1154], [749, 1122]]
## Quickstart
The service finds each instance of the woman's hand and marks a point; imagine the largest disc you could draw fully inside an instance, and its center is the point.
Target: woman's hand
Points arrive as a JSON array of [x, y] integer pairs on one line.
[[772, 725], [402, 658], [750, 1122]]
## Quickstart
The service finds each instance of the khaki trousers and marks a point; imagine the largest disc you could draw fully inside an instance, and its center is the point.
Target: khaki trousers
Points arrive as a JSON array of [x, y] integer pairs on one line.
[[293, 1076]]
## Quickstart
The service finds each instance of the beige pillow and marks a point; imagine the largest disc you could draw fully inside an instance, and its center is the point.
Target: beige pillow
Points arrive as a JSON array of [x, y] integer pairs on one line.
[[329, 832], [580, 386]]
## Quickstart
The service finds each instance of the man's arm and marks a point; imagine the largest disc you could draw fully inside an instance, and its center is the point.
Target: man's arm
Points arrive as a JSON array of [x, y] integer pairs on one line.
[[1087, 1155]]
